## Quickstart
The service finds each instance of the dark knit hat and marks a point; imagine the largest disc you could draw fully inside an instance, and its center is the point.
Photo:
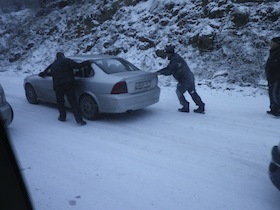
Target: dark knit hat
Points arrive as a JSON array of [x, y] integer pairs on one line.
[[60, 55], [169, 49], [276, 40]]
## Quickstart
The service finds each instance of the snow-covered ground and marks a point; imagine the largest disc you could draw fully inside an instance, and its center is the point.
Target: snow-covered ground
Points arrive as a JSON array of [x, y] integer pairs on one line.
[[155, 158]]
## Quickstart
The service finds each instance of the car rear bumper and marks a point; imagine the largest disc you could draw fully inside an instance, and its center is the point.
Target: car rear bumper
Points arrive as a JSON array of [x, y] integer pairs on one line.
[[6, 114], [274, 167], [120, 103]]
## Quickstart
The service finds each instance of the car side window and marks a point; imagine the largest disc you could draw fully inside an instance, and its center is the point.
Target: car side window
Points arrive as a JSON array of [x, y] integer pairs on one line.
[[84, 72]]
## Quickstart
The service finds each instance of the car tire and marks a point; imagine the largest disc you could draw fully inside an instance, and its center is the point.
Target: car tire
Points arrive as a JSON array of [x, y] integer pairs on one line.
[[89, 107], [30, 94]]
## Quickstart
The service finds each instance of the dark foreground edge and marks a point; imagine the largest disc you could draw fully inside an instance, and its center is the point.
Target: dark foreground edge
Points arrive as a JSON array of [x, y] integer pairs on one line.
[[13, 191]]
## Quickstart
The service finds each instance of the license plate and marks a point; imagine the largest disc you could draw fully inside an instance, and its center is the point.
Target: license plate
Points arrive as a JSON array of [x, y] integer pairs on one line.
[[141, 85]]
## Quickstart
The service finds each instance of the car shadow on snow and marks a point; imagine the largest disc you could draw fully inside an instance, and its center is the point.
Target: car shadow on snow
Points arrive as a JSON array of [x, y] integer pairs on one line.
[[127, 116], [130, 116]]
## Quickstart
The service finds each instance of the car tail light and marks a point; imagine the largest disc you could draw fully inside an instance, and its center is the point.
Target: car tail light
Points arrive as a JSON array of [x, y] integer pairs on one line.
[[119, 88]]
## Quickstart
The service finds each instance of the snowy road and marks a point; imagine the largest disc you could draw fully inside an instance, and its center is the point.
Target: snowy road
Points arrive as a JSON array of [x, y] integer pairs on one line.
[[154, 158]]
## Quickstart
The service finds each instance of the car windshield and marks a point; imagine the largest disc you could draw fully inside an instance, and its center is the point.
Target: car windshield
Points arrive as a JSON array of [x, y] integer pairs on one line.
[[115, 65]]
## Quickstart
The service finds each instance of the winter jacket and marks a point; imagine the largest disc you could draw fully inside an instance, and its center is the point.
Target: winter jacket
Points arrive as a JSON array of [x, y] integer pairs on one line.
[[272, 68], [62, 70], [180, 70]]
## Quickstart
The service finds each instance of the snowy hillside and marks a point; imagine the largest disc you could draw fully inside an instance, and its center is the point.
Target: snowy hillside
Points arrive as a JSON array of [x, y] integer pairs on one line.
[[225, 41]]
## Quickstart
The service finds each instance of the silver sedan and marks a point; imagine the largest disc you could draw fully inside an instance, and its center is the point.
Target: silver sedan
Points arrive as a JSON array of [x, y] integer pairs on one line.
[[6, 111], [110, 85]]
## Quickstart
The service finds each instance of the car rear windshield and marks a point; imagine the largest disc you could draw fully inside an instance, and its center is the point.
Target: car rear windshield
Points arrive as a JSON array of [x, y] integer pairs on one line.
[[114, 65]]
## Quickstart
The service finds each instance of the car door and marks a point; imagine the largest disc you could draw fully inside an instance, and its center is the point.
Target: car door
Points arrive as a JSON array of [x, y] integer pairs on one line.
[[45, 87]]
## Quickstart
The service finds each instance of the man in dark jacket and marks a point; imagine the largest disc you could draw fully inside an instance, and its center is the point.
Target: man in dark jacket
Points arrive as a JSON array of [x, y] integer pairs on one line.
[[181, 72], [272, 70], [64, 84]]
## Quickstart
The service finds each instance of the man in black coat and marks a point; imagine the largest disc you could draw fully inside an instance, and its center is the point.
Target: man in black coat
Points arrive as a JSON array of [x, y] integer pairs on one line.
[[64, 84], [182, 73], [272, 70]]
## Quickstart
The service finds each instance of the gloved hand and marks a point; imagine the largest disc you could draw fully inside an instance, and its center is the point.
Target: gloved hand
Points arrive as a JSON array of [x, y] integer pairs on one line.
[[158, 72], [42, 74]]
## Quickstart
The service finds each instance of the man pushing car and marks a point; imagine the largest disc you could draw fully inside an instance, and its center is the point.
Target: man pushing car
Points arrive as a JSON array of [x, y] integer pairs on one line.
[[182, 73]]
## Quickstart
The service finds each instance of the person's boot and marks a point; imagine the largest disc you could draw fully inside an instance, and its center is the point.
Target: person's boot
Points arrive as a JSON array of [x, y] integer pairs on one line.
[[269, 112], [62, 118], [184, 108], [200, 109], [82, 122]]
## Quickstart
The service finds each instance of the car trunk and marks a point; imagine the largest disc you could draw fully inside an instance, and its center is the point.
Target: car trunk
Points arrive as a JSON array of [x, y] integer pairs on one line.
[[138, 81]]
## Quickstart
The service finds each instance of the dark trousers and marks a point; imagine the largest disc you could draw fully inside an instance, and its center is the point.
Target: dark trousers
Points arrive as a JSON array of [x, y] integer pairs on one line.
[[67, 90], [181, 89], [274, 96]]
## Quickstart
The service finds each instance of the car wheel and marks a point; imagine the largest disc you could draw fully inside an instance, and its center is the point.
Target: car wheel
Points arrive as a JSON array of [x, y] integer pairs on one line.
[[89, 107], [30, 94]]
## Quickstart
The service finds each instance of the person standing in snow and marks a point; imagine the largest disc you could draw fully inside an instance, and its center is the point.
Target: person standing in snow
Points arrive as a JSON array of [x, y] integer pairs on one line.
[[64, 84], [272, 70], [182, 73]]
